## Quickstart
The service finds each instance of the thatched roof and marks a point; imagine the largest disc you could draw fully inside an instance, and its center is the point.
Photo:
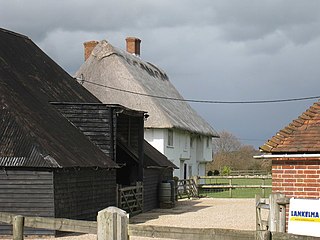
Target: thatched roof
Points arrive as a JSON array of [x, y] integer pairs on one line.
[[116, 68]]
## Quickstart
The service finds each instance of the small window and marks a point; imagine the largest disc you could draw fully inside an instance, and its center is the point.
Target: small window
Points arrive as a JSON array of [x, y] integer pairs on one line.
[[170, 137], [191, 142]]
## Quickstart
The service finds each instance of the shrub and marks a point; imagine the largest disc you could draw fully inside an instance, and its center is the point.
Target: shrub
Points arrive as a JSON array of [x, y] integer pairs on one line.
[[226, 170]]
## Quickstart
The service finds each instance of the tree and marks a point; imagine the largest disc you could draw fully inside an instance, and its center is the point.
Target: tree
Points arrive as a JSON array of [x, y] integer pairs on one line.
[[229, 152], [226, 143]]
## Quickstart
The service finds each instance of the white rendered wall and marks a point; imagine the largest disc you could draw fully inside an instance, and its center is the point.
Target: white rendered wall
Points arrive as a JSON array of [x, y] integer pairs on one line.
[[156, 138], [182, 151]]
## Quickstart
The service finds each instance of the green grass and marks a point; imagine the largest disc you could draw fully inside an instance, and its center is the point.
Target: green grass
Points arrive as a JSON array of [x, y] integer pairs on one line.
[[237, 192]]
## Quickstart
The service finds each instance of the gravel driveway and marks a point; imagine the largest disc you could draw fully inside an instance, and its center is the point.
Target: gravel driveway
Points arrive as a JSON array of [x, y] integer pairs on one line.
[[201, 213]]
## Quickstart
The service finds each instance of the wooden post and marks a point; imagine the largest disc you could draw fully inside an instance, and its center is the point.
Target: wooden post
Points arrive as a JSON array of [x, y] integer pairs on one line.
[[117, 196], [258, 213], [274, 217], [230, 187], [112, 224], [17, 227], [263, 188], [196, 184], [282, 219], [263, 235]]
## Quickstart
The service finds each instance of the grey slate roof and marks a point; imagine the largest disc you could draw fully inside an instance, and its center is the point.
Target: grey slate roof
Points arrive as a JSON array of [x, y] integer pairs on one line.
[[32, 132], [115, 68]]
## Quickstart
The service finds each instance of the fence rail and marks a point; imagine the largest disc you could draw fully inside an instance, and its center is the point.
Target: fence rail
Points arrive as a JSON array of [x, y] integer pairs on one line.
[[248, 172], [210, 184], [187, 187], [112, 224]]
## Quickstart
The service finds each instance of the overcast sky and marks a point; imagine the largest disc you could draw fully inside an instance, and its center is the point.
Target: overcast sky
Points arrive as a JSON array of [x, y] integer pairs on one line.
[[227, 50]]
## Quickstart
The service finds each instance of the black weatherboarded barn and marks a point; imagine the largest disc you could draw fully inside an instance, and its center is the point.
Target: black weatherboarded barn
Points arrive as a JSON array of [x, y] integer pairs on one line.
[[62, 152], [48, 167], [118, 131]]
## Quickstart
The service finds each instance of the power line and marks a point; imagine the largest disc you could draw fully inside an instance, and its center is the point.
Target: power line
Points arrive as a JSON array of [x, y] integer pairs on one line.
[[203, 101]]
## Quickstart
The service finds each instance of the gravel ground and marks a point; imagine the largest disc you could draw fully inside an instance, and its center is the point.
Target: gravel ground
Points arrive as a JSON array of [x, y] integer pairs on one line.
[[201, 213]]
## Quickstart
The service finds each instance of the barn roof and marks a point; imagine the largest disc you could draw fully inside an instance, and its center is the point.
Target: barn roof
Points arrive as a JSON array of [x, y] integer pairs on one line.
[[117, 69], [33, 133], [154, 158], [302, 135]]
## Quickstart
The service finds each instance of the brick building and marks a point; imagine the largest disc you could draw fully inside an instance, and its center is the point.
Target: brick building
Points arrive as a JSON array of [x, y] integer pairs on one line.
[[295, 154]]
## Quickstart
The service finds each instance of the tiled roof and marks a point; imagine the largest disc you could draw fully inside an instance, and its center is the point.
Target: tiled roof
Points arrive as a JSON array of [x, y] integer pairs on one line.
[[302, 135]]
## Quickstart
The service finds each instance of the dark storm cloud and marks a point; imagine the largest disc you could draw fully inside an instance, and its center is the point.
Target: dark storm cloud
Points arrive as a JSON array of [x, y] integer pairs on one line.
[[211, 49]]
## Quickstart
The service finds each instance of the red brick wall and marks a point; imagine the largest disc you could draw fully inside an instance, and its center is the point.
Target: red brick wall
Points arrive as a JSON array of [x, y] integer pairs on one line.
[[296, 177]]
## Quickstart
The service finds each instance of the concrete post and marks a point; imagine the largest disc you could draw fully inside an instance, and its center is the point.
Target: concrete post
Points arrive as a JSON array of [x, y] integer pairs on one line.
[[112, 224]]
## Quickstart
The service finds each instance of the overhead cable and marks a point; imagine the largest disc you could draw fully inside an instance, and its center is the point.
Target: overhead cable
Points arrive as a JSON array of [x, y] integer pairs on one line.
[[203, 101]]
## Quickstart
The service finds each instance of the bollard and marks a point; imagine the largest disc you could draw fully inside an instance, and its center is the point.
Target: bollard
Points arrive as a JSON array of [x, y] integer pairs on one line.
[[17, 227], [112, 224]]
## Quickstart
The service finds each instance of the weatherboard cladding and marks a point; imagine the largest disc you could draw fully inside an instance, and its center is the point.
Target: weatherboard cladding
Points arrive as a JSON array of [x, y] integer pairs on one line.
[[112, 67], [65, 193], [151, 180], [80, 194], [29, 80], [300, 136], [94, 120], [26, 192]]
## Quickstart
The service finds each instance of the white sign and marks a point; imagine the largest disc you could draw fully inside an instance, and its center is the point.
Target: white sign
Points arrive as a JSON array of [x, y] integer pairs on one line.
[[304, 217]]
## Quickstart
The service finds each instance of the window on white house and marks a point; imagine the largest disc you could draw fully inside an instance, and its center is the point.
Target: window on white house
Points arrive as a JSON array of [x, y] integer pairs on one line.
[[208, 142], [191, 142], [186, 141], [170, 137]]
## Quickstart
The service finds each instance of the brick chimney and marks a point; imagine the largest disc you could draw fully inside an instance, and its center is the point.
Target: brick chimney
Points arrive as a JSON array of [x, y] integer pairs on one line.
[[133, 45], [88, 47]]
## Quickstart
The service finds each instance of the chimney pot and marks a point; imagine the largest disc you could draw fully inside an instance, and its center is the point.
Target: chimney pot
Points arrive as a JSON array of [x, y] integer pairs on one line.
[[88, 47], [133, 45]]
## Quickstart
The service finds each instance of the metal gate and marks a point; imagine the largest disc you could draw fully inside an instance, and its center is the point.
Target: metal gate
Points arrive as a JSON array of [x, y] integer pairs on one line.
[[130, 199]]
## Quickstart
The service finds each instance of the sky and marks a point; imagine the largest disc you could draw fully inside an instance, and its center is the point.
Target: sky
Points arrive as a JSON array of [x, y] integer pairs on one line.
[[223, 50]]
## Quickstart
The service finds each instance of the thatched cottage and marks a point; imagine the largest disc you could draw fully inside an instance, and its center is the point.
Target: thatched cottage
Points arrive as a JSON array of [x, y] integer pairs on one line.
[[173, 127]]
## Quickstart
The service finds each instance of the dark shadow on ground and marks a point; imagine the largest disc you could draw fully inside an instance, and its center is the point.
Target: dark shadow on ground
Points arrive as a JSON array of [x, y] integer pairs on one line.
[[182, 206]]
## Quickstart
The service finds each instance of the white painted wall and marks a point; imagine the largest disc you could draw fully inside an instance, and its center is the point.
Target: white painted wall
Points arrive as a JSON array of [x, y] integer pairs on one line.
[[187, 148]]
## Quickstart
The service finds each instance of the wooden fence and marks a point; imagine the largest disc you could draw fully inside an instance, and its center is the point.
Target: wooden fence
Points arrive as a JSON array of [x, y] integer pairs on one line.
[[112, 224], [130, 199], [187, 188], [276, 221], [248, 172], [207, 183], [107, 220]]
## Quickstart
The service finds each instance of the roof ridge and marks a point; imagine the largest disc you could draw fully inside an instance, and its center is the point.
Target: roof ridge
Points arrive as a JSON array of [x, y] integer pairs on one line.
[[14, 33]]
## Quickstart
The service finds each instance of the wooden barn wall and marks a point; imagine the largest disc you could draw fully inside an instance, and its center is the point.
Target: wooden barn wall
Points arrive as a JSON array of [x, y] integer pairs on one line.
[[26, 192], [150, 189], [95, 122], [80, 194], [129, 130], [151, 180]]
